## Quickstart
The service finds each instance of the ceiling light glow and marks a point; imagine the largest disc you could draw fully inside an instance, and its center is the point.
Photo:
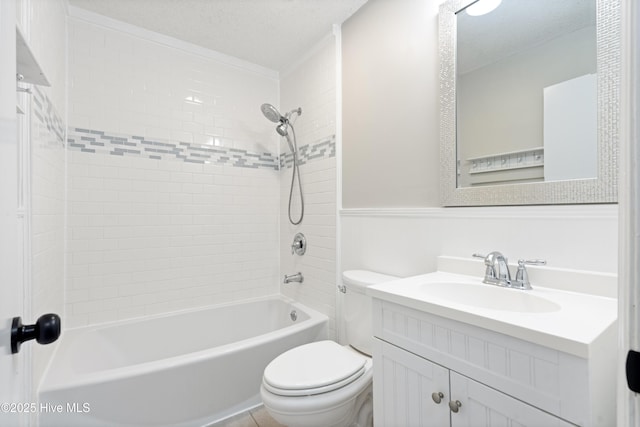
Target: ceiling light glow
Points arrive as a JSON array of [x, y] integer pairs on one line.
[[482, 7]]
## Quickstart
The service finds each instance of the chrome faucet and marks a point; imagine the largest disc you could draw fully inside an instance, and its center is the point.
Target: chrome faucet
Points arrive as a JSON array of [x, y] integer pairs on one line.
[[497, 272], [288, 278]]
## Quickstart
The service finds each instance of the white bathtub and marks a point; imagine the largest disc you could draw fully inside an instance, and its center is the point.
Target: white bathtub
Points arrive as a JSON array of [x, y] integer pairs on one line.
[[189, 368]]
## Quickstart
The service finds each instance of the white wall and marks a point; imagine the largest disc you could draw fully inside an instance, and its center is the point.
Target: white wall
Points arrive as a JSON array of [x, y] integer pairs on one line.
[[173, 182], [311, 84], [44, 25], [391, 105], [405, 241], [12, 369]]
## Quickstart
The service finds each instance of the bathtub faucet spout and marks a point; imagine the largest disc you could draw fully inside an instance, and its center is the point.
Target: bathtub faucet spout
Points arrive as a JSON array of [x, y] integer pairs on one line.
[[288, 278]]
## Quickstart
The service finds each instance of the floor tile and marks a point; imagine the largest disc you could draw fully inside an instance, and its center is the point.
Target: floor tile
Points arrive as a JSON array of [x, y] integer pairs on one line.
[[263, 419], [241, 420]]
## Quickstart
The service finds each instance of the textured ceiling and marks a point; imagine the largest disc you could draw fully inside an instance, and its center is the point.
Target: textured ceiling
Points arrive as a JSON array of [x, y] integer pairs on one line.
[[271, 33]]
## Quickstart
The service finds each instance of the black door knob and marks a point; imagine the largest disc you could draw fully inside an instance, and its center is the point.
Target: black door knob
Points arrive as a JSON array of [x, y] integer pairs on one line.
[[45, 331]]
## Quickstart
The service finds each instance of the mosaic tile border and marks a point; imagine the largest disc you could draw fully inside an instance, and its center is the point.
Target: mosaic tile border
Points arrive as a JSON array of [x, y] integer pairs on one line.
[[102, 142], [44, 110], [322, 149], [116, 144]]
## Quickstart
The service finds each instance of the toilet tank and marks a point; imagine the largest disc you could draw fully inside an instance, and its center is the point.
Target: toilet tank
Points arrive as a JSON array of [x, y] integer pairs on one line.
[[357, 309]]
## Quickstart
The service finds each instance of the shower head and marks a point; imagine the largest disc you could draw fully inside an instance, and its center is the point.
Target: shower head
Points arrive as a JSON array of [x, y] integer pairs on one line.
[[271, 113], [282, 129]]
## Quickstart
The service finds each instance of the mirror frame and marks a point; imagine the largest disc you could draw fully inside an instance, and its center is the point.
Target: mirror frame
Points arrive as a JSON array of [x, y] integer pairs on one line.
[[602, 189]]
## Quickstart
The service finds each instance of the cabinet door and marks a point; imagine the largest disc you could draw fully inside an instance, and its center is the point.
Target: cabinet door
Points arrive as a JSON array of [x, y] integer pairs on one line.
[[403, 384], [484, 406]]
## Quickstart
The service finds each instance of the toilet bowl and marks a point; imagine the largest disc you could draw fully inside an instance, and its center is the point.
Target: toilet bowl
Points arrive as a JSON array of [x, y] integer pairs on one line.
[[325, 384]]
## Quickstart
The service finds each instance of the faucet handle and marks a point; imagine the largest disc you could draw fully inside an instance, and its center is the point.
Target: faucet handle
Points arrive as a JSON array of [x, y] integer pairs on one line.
[[490, 275], [522, 276], [532, 262], [299, 245], [488, 259], [490, 270], [491, 258]]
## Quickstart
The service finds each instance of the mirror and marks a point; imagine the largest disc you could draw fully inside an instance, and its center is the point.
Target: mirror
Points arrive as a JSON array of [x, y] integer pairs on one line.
[[526, 92], [529, 102]]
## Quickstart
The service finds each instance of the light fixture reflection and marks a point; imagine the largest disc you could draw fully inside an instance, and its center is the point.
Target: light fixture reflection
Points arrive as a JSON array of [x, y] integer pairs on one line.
[[193, 99], [482, 7]]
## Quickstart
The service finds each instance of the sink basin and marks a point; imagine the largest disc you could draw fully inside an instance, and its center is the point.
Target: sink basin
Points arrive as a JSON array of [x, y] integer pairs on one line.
[[489, 297], [557, 315]]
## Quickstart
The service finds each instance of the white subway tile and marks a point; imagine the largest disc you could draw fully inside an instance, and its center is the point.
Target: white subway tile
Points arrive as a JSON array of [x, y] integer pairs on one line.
[[87, 307], [102, 293], [102, 244], [137, 291], [184, 228], [103, 316], [182, 135]]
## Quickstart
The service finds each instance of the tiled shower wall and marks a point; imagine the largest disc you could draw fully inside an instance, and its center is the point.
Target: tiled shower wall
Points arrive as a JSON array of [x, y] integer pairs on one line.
[[47, 217], [173, 187], [311, 84]]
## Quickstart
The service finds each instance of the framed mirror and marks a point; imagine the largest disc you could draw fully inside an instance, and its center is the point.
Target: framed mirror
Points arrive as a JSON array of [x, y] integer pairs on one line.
[[529, 102]]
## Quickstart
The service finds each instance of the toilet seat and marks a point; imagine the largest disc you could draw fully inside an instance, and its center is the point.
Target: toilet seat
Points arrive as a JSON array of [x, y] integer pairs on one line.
[[314, 368]]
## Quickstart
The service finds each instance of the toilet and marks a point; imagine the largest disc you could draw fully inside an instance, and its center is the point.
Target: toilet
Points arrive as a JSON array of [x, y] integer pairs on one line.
[[324, 384]]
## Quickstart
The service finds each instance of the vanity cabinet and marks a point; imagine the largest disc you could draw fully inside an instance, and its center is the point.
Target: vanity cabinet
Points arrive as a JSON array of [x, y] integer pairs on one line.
[[417, 392], [498, 379], [403, 386]]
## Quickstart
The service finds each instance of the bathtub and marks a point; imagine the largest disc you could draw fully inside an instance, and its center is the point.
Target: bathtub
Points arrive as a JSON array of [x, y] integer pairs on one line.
[[189, 368]]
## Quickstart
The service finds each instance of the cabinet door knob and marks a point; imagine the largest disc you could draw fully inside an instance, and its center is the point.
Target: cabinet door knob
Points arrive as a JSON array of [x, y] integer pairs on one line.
[[455, 406], [437, 397]]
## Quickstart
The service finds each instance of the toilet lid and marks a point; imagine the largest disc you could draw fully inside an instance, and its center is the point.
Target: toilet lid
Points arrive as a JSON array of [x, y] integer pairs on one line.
[[313, 368]]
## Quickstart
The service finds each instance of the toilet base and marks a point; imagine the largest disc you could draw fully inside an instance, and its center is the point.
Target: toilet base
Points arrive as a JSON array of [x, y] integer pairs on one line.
[[356, 412]]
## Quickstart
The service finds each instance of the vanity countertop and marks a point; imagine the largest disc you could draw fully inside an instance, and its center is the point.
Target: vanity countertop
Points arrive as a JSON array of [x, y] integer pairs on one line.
[[561, 319]]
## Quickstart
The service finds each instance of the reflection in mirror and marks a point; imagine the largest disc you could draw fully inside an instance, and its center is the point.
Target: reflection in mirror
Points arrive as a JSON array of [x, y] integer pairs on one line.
[[526, 92], [522, 79]]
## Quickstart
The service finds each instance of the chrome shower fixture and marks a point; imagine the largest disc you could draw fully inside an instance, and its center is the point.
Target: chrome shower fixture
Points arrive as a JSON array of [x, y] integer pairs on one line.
[[282, 129], [272, 113], [289, 278], [284, 123]]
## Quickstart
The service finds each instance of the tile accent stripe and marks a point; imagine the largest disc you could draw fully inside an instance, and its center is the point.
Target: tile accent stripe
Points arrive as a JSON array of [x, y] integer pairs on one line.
[[115, 144], [101, 142], [322, 149], [45, 112]]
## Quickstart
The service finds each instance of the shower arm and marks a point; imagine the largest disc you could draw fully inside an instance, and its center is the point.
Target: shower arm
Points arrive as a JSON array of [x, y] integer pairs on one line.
[[297, 111]]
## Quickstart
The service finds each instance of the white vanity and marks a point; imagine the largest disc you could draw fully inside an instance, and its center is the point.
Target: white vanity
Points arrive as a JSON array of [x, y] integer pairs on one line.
[[451, 350]]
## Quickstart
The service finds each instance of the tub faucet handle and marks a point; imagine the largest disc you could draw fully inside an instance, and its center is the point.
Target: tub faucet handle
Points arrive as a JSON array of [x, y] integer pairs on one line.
[[299, 245]]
